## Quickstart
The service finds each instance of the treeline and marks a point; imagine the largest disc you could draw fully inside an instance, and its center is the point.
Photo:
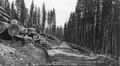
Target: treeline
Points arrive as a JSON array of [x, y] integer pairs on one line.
[[42, 20], [95, 24]]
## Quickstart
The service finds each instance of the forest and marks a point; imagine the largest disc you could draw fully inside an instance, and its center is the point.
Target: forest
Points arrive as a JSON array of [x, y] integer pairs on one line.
[[95, 24]]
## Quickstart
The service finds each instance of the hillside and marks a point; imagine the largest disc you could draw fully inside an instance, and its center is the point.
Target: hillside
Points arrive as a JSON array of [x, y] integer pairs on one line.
[[14, 55]]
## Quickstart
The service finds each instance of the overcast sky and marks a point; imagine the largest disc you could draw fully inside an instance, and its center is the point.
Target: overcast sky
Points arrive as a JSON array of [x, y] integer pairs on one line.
[[62, 7]]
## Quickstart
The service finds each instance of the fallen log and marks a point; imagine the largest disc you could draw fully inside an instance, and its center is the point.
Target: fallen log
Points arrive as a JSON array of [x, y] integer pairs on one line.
[[4, 13], [9, 27], [5, 35], [2, 27], [13, 30], [5, 19], [2, 9]]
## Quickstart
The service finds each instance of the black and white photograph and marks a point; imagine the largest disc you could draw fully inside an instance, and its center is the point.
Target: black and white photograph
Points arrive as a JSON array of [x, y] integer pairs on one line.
[[59, 32]]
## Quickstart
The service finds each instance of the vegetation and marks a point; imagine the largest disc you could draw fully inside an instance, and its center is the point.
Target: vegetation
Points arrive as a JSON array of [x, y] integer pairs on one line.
[[44, 21], [95, 25]]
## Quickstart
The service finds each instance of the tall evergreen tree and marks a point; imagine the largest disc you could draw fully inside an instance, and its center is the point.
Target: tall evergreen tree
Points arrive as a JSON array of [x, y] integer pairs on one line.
[[13, 12], [18, 8], [38, 20], [59, 32], [35, 18], [31, 15], [23, 12], [54, 22], [43, 18]]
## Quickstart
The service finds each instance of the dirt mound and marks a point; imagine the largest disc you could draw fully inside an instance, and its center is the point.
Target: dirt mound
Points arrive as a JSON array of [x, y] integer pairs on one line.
[[22, 56]]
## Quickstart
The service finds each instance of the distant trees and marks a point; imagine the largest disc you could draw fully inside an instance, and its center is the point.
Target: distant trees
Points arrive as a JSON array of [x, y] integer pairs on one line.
[[51, 21], [95, 25], [52, 29], [59, 32]]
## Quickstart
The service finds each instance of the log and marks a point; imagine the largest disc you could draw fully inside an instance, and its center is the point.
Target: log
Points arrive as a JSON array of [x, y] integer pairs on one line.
[[13, 30], [6, 15], [4, 12], [16, 22], [5, 35], [2, 27], [3, 18], [2, 9]]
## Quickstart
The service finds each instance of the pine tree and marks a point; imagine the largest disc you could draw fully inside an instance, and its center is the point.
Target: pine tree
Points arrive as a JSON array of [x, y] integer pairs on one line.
[[59, 32], [30, 24], [116, 25], [49, 22], [79, 16], [43, 18], [70, 27], [13, 12], [18, 8], [54, 22], [38, 20], [48, 18], [35, 18], [65, 38], [23, 12]]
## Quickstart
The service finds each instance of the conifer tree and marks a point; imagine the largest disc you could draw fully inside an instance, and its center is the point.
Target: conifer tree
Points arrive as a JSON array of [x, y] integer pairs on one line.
[[43, 18], [30, 23], [23, 12]]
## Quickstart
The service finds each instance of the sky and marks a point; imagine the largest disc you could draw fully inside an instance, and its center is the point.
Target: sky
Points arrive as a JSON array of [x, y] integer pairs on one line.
[[63, 8]]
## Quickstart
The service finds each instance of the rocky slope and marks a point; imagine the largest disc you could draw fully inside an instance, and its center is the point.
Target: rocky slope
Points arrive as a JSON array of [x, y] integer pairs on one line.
[[22, 56]]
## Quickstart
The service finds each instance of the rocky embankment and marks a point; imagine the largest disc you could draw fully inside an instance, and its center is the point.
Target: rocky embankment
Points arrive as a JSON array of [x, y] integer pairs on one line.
[[22, 56]]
